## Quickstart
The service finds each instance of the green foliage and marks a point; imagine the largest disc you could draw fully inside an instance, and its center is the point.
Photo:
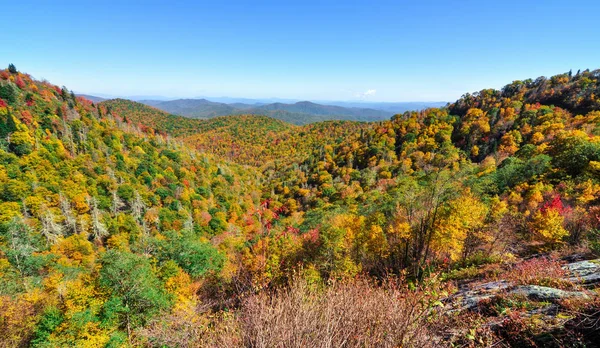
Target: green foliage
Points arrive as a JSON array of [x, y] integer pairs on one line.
[[126, 192], [195, 257], [20, 247], [50, 320], [514, 171], [136, 294], [573, 154]]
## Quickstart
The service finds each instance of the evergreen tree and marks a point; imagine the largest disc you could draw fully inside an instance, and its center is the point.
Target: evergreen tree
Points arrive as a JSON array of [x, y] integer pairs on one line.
[[9, 92], [12, 69]]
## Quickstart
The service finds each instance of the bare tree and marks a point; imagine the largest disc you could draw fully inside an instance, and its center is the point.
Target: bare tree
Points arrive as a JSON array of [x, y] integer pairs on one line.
[[98, 229], [117, 203], [188, 225], [51, 230], [138, 207], [70, 219]]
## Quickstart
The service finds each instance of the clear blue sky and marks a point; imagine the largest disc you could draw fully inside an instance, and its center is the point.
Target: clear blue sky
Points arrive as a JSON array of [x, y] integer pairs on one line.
[[318, 50]]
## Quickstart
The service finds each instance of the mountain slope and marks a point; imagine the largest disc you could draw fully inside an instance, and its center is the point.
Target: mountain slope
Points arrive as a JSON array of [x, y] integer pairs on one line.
[[307, 112], [325, 110], [392, 107]]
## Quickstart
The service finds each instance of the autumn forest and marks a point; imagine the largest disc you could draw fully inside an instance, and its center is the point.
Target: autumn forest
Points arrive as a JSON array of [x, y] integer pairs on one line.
[[122, 225]]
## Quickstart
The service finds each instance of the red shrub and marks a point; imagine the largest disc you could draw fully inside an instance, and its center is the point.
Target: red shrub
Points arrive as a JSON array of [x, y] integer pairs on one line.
[[311, 236], [538, 271], [19, 82], [26, 117], [556, 204]]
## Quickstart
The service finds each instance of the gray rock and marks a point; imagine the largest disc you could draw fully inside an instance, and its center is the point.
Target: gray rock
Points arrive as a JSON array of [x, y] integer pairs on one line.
[[494, 286], [469, 299], [584, 272], [584, 268], [544, 293], [473, 301]]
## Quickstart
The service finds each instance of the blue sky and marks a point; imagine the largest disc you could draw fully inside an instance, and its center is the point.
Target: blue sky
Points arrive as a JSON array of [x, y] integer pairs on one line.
[[317, 50]]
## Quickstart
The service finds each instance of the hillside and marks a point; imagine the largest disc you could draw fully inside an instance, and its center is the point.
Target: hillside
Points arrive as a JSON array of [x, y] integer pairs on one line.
[[244, 139], [259, 140], [391, 107], [474, 224], [89, 200], [147, 117]]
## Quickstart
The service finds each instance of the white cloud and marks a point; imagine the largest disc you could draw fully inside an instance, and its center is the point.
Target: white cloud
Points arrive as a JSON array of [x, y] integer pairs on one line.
[[366, 94]]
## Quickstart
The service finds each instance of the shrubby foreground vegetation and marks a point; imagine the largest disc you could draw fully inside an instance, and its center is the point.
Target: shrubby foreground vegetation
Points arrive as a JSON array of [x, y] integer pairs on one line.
[[122, 225]]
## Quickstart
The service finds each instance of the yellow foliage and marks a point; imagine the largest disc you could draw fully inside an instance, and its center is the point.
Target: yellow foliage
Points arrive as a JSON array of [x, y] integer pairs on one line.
[[74, 250], [514, 199], [80, 204], [34, 203], [547, 227], [589, 190], [466, 216], [182, 287], [399, 229], [4, 266], [537, 138], [498, 208], [81, 295], [487, 166], [535, 197], [9, 210]]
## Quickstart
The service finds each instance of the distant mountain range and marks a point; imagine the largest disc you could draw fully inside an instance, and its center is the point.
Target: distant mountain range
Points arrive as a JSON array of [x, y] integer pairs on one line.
[[193, 108], [295, 112], [92, 98]]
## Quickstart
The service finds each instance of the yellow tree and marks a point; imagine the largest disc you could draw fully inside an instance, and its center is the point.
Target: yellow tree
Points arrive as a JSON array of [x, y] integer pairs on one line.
[[461, 229], [547, 228]]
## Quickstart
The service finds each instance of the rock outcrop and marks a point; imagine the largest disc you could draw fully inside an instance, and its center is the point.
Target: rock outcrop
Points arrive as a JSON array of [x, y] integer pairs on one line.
[[583, 273]]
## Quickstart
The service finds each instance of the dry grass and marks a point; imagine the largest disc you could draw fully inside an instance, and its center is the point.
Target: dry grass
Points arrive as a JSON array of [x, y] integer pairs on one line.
[[186, 328], [348, 314]]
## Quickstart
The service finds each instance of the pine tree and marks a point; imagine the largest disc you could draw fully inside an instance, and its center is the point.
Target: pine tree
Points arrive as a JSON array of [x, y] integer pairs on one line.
[[12, 69]]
